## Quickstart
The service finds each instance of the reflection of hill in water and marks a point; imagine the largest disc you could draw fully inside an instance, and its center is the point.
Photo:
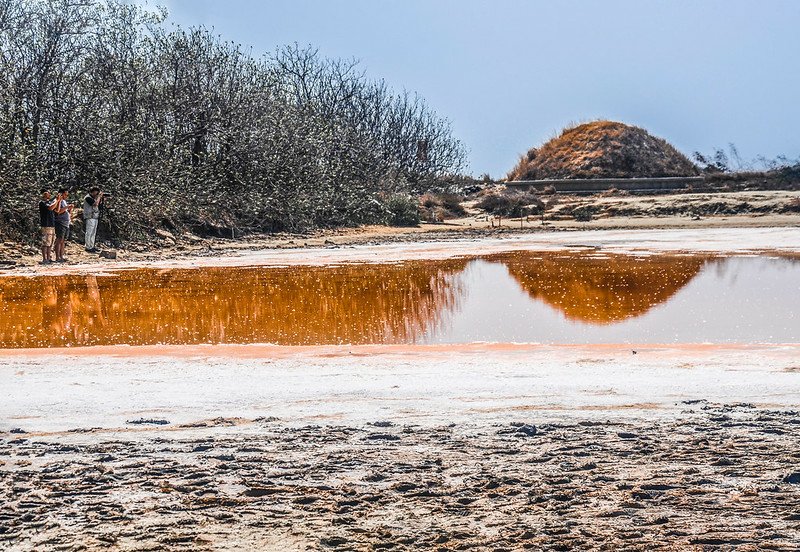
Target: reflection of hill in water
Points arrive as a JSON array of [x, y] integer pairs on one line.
[[293, 306], [601, 290]]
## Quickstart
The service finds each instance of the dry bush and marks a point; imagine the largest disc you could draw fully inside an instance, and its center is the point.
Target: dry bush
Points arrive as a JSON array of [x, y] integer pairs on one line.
[[584, 213], [612, 192], [792, 206], [714, 177], [485, 192], [403, 210], [442, 206], [513, 204]]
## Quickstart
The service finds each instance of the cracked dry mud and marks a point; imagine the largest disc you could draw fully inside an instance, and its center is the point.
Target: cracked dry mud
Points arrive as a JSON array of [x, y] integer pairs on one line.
[[712, 477]]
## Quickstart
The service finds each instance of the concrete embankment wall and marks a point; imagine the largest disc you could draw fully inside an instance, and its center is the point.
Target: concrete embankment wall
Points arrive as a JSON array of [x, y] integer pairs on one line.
[[588, 185]]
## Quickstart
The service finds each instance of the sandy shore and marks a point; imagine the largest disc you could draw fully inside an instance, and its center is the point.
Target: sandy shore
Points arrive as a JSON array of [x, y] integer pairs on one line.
[[724, 241], [692, 212], [56, 391]]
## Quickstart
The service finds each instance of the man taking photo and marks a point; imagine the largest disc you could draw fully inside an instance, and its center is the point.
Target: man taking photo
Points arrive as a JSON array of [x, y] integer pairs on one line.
[[47, 221], [91, 216], [63, 213]]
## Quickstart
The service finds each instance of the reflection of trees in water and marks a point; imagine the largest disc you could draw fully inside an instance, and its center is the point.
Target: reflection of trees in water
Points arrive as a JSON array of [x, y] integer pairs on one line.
[[324, 305], [601, 290], [292, 306], [30, 308]]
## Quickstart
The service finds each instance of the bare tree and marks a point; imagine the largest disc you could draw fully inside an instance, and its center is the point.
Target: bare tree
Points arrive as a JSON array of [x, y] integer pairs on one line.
[[197, 132]]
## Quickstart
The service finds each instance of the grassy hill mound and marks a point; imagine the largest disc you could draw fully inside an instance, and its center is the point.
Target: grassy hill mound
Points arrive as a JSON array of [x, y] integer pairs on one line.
[[603, 149]]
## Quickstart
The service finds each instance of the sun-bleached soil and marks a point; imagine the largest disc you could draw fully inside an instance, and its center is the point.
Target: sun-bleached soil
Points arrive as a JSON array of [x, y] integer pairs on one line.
[[713, 477], [482, 447]]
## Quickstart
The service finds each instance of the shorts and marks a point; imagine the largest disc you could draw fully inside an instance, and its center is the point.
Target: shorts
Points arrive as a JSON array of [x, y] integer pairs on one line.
[[48, 236], [62, 231]]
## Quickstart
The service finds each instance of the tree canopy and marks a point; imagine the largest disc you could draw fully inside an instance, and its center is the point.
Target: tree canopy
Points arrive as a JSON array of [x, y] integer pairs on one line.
[[185, 128]]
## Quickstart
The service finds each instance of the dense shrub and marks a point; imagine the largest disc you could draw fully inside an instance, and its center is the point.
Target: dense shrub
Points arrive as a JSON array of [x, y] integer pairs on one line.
[[184, 127], [583, 214], [403, 210], [438, 207], [513, 204], [789, 173]]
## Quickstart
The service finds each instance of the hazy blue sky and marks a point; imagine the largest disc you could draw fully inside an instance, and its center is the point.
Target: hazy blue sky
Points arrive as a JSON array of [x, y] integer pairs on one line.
[[510, 73]]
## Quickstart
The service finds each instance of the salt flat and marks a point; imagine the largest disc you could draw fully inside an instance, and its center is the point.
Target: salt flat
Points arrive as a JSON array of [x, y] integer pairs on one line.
[[104, 387]]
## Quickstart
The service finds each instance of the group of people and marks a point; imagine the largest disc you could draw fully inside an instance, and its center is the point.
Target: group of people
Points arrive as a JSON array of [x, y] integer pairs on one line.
[[55, 216]]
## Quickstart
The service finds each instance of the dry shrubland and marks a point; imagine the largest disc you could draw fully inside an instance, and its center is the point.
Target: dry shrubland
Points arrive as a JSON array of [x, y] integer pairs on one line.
[[511, 204], [191, 132], [442, 206]]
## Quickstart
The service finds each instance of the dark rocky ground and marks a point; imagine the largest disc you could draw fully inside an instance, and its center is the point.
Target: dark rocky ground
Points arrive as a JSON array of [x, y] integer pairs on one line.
[[713, 477]]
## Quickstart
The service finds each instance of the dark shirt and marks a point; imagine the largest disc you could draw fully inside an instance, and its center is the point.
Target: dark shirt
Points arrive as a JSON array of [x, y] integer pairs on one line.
[[47, 218], [89, 199]]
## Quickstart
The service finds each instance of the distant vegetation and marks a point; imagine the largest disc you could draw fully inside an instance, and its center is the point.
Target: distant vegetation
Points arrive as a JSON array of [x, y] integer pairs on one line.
[[608, 149], [190, 132], [728, 168], [511, 204]]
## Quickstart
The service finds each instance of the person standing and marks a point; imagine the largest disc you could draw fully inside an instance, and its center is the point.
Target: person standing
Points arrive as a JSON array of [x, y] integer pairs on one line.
[[47, 221], [91, 217], [63, 213]]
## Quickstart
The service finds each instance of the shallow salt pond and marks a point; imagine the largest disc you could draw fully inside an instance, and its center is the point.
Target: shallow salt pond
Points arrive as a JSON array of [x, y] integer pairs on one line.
[[523, 296]]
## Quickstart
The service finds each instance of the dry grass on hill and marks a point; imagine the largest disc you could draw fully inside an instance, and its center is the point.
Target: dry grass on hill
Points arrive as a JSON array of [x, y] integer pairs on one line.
[[603, 149]]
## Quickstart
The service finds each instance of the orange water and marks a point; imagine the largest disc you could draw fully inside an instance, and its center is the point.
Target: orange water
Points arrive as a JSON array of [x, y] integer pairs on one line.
[[520, 296]]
